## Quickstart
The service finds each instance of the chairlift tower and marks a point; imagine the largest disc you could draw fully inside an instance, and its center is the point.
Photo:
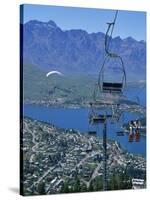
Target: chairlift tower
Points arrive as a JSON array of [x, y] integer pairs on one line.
[[102, 119]]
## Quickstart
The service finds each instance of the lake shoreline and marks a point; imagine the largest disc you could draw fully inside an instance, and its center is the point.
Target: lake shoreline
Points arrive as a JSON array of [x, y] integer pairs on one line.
[[110, 140], [58, 105], [77, 119]]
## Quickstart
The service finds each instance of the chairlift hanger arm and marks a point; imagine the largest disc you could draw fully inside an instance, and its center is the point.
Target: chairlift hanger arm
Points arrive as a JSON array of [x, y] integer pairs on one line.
[[107, 37]]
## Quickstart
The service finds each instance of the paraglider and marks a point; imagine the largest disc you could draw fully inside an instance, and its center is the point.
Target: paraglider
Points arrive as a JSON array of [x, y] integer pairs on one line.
[[53, 72]]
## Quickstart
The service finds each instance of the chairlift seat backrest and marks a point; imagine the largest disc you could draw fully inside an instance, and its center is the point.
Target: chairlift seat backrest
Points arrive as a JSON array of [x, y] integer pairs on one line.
[[112, 87], [92, 132], [98, 119], [120, 133]]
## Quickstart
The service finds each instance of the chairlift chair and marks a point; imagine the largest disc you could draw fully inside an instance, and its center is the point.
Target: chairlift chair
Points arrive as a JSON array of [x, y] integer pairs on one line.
[[92, 132], [92, 129], [137, 136], [131, 137], [116, 81], [112, 59], [96, 118], [120, 133]]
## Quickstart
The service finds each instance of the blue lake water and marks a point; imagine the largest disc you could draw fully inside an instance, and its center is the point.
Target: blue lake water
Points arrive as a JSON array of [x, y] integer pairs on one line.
[[78, 119], [136, 92]]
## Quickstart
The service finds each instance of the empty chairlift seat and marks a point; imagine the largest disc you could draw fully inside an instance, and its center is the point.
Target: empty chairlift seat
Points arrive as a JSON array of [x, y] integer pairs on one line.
[[120, 133], [98, 119], [92, 132], [112, 87]]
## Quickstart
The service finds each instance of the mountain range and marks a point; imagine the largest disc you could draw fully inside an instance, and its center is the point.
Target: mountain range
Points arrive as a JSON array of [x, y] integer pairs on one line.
[[48, 47]]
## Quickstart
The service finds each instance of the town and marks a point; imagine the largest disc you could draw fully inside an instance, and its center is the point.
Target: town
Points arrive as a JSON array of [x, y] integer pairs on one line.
[[53, 157]]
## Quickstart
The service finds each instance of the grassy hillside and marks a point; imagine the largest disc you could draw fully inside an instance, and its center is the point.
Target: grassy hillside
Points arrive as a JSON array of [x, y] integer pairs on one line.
[[38, 87], [61, 89]]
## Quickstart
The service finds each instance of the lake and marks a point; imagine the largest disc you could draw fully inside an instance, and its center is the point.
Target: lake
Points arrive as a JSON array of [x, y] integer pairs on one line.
[[78, 119]]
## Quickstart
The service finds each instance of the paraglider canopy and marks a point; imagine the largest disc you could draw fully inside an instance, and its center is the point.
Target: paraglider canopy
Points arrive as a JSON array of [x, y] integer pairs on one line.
[[53, 72]]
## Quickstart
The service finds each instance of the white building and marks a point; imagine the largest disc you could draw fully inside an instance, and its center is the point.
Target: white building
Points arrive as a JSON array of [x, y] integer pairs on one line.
[[137, 183]]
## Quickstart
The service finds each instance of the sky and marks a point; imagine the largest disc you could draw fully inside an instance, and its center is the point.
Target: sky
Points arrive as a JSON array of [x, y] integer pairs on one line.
[[128, 23]]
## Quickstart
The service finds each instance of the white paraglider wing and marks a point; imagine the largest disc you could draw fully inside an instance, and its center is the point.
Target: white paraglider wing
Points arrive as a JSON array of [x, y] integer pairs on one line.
[[53, 72]]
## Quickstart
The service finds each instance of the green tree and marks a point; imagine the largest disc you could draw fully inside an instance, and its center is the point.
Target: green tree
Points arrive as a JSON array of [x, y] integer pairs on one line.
[[65, 188], [77, 185], [118, 182], [90, 188], [41, 188], [98, 184]]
